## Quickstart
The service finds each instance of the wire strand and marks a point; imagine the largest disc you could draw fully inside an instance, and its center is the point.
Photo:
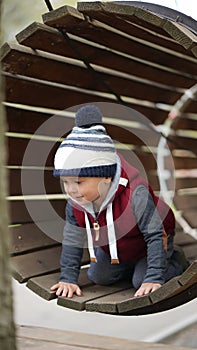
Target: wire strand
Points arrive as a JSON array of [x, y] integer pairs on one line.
[[48, 4]]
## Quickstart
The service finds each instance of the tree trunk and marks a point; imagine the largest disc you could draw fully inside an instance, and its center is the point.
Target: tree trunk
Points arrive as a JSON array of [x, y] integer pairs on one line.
[[7, 327]]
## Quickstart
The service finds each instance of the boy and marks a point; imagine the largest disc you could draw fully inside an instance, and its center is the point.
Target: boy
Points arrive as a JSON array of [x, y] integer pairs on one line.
[[129, 231]]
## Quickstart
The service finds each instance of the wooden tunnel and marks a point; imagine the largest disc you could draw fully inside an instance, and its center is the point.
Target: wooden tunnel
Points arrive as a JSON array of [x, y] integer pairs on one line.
[[138, 63]]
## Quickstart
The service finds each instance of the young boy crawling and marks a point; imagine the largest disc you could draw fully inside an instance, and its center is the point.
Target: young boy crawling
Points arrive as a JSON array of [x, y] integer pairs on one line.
[[111, 208]]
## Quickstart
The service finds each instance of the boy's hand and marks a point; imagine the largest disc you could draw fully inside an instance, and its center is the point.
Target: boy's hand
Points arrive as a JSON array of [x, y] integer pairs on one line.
[[146, 288], [66, 289]]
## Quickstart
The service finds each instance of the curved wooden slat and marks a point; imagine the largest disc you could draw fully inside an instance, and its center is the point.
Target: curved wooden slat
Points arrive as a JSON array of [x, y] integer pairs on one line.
[[41, 37], [58, 70], [72, 21], [90, 293], [37, 263], [37, 210], [36, 181], [118, 299], [124, 303], [138, 22], [39, 152], [41, 285], [29, 237]]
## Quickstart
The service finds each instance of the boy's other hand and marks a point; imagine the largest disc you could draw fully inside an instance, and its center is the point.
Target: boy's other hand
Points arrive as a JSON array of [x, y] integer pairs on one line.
[[146, 288], [65, 289]]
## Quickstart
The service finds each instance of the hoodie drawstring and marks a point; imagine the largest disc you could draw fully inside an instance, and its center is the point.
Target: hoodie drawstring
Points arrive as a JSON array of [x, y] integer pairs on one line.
[[90, 240], [110, 231], [111, 237]]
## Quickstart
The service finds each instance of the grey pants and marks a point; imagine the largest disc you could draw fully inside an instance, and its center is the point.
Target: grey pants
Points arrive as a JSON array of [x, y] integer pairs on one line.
[[104, 273]]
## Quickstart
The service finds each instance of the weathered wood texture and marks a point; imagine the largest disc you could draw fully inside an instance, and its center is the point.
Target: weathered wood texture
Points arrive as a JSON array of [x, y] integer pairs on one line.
[[7, 327], [141, 64], [43, 338]]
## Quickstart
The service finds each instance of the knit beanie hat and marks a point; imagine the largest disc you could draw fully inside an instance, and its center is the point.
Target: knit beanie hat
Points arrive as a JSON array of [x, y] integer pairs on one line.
[[88, 151]]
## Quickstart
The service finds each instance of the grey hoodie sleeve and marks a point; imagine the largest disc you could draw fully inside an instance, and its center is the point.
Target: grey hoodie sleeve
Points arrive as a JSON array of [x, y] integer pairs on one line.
[[150, 224], [72, 248]]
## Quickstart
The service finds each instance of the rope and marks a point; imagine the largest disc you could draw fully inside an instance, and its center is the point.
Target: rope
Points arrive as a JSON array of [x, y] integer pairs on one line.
[[89, 67], [48, 4]]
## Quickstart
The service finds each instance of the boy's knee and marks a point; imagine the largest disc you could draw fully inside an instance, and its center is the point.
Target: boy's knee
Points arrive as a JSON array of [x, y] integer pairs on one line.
[[98, 278]]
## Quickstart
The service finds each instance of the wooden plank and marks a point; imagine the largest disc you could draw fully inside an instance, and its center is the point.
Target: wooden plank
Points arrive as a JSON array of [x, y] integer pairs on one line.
[[24, 121], [133, 303], [35, 181], [43, 124], [35, 92], [30, 337], [40, 152], [133, 136], [41, 181], [42, 66], [183, 239], [173, 293], [176, 285], [47, 184], [182, 35], [41, 285], [190, 251], [39, 263], [41, 37], [31, 152], [131, 118], [191, 107], [29, 237], [30, 122], [123, 302], [183, 297], [190, 275], [36, 263], [188, 143], [73, 22], [39, 210], [186, 202], [188, 182], [109, 304], [190, 216], [90, 293], [140, 23], [167, 290], [185, 123], [58, 97], [139, 159], [184, 162]]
